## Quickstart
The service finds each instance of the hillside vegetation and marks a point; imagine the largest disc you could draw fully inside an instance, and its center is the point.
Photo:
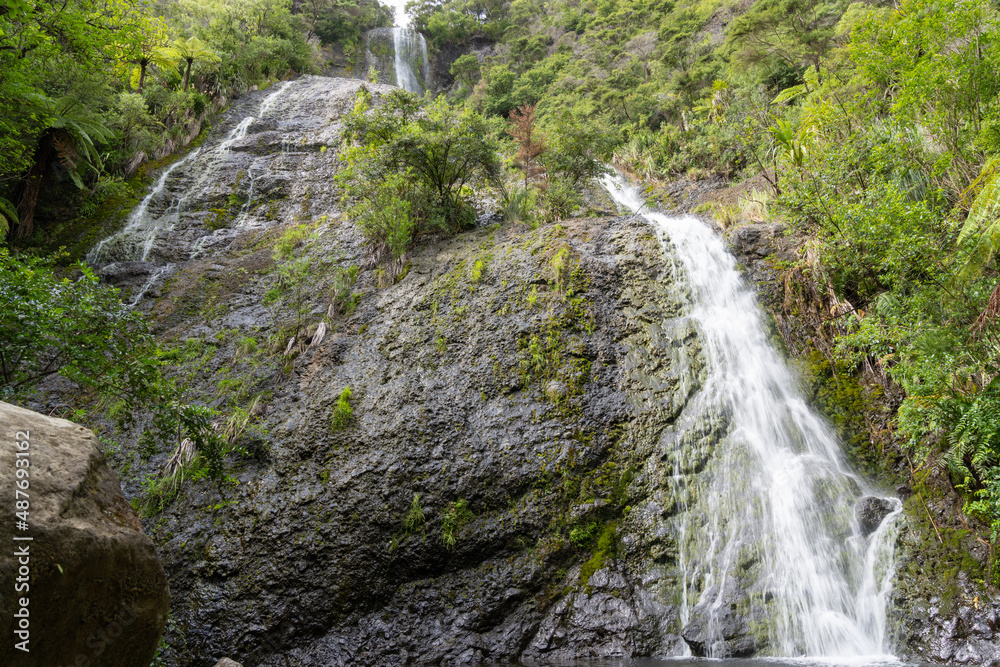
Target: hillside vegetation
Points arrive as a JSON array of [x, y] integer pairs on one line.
[[871, 128]]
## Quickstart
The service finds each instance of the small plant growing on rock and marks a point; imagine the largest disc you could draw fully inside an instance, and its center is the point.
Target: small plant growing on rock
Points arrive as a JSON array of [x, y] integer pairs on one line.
[[344, 301], [458, 515], [414, 519], [342, 413], [560, 264], [478, 268]]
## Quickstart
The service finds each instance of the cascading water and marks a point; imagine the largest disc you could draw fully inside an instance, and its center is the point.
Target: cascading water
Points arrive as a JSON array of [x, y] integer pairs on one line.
[[161, 208], [776, 502], [410, 65], [130, 234], [410, 49]]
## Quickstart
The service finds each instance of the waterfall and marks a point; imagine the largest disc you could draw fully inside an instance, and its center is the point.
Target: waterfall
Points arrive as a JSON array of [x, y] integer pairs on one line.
[[399, 54], [410, 49], [775, 519], [409, 66], [103, 251], [160, 210]]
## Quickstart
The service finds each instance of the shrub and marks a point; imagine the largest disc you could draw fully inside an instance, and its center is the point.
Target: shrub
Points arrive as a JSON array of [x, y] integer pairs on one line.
[[410, 167]]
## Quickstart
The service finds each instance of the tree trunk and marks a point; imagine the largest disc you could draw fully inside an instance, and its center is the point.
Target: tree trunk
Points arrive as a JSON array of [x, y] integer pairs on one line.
[[187, 73], [142, 73], [33, 186]]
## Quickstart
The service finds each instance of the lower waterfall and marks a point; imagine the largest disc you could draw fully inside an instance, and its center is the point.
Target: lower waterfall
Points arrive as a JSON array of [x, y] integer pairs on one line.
[[777, 546]]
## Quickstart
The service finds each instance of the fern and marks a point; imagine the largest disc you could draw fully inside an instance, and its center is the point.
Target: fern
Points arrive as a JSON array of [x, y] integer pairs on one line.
[[982, 225], [8, 216], [973, 440]]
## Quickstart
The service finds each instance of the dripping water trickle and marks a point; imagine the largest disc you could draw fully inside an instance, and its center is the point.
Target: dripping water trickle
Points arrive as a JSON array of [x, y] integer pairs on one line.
[[137, 239]]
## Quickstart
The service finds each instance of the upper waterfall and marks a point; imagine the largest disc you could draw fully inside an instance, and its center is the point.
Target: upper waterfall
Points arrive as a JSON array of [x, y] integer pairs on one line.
[[776, 537], [407, 64]]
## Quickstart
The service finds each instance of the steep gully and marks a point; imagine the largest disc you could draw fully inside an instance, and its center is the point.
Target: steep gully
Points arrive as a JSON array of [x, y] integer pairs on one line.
[[768, 552]]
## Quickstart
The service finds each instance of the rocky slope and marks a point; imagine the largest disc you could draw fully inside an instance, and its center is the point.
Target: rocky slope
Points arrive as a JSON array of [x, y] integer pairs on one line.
[[501, 480], [505, 394]]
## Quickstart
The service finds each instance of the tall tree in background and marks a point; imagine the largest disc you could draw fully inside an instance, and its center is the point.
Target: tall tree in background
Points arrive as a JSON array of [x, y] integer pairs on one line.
[[529, 144], [71, 134], [794, 34]]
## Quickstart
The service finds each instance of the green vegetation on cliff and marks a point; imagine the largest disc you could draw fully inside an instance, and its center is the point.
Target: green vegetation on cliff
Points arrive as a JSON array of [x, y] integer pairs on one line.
[[870, 127]]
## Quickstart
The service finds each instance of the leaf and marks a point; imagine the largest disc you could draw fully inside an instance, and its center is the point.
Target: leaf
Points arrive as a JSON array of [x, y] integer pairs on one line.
[[982, 225], [789, 94], [8, 216]]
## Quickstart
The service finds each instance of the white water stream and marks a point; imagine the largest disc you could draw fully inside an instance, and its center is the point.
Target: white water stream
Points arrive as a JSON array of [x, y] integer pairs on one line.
[[135, 241], [778, 500], [410, 62], [410, 50]]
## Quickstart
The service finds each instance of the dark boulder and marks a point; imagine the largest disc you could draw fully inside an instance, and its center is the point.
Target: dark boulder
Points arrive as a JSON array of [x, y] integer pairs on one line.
[[870, 511]]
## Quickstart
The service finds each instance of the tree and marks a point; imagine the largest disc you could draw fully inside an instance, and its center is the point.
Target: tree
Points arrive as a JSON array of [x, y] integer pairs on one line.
[[190, 50], [71, 135], [148, 51], [466, 69], [408, 167], [798, 33], [529, 145], [579, 149], [442, 147]]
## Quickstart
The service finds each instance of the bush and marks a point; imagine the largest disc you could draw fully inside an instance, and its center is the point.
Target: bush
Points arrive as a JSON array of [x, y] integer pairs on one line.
[[385, 219], [410, 168], [79, 328], [342, 413]]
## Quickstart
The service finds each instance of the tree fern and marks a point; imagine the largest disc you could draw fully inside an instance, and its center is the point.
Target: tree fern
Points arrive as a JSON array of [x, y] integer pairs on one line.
[[8, 216]]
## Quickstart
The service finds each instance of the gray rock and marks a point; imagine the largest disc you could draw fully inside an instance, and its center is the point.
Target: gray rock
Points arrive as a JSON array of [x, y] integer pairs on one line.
[[870, 511], [97, 589], [226, 662]]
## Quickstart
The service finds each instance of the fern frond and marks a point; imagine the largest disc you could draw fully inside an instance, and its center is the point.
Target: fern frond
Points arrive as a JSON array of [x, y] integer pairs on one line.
[[8, 216], [789, 94], [982, 224]]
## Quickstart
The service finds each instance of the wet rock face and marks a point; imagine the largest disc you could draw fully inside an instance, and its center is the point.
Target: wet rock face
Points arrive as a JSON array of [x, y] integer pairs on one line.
[[496, 492], [95, 588], [870, 512], [453, 400]]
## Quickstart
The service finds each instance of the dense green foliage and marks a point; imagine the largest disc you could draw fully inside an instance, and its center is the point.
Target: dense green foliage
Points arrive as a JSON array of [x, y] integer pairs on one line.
[[409, 167], [76, 327], [345, 21]]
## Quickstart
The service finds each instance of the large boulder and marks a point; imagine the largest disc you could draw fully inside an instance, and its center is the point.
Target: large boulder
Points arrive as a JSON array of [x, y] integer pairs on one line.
[[82, 584]]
